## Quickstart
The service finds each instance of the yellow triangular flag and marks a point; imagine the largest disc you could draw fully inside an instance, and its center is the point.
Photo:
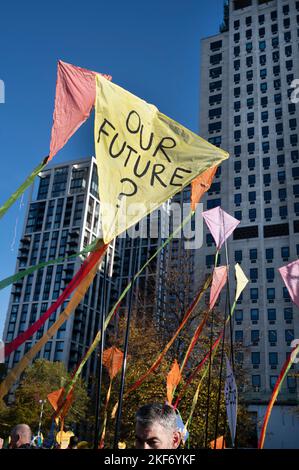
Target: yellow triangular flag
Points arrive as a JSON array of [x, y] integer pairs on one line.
[[242, 280], [143, 157]]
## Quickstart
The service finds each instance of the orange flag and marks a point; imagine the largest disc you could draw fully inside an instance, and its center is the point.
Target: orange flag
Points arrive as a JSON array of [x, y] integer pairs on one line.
[[54, 397], [112, 360], [220, 443], [200, 185], [173, 379]]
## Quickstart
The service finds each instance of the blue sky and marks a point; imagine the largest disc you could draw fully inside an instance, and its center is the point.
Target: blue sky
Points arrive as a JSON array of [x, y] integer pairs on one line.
[[151, 48]]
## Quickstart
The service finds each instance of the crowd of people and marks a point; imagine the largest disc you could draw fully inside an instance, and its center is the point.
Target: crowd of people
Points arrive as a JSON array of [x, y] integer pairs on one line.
[[157, 427]]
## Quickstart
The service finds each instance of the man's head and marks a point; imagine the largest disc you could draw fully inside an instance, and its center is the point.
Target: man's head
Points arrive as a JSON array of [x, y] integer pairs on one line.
[[156, 427], [20, 435]]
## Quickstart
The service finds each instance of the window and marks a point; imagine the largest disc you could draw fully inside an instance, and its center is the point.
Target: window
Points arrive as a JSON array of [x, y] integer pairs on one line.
[[281, 176], [255, 337], [248, 33], [262, 45], [253, 274], [295, 156], [249, 61], [237, 120], [283, 212], [251, 180], [275, 42], [268, 213], [254, 294], [293, 124], [270, 273], [280, 160], [278, 113], [251, 163], [288, 314], [248, 20], [253, 254], [271, 315], [289, 66], [263, 73], [273, 380], [215, 72], [213, 86], [236, 51], [250, 132], [251, 148], [215, 46], [294, 139], [279, 128], [238, 316], [275, 56], [287, 36], [252, 214], [264, 101], [248, 47], [271, 293], [267, 179], [255, 358], [254, 315], [285, 294], [237, 106], [292, 384], [269, 254], [263, 87], [296, 210], [238, 256], [237, 166], [288, 51], [238, 199], [250, 118], [272, 337], [215, 59], [237, 135], [239, 336], [236, 24], [249, 75], [265, 131], [261, 32], [237, 151], [289, 336], [237, 78], [267, 196], [250, 88], [238, 215], [286, 9], [273, 15], [252, 197], [256, 381], [238, 182], [215, 113], [286, 23], [236, 65], [264, 116], [273, 358]]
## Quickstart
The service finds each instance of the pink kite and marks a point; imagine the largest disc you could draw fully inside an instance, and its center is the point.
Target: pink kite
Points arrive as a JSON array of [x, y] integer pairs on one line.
[[290, 276], [219, 279], [220, 223], [75, 97]]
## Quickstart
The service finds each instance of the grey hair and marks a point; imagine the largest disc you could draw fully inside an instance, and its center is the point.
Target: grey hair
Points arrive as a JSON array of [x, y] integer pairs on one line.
[[165, 415], [22, 430]]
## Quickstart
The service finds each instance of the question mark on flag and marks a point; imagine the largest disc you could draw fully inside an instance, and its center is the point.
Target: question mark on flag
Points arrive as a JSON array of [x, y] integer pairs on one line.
[[131, 192]]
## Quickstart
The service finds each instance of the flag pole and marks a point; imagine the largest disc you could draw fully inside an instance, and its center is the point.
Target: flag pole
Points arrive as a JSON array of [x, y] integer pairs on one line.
[[100, 359], [124, 365]]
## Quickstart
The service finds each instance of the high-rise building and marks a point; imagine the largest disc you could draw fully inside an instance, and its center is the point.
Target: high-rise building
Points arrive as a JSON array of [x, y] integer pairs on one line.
[[247, 72], [62, 218]]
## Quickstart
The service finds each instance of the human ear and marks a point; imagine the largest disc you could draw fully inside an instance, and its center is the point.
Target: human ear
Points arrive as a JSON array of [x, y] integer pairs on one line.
[[176, 439]]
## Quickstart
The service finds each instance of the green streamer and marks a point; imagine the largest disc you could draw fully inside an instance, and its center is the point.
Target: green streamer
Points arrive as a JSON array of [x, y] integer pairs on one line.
[[123, 294], [21, 274], [28, 182]]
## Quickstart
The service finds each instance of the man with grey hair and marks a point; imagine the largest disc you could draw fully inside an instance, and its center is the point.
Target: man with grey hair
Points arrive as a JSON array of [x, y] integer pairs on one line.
[[21, 437], [157, 427]]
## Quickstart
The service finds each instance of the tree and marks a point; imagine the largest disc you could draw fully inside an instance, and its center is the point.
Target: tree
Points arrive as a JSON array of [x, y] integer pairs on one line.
[[40, 379]]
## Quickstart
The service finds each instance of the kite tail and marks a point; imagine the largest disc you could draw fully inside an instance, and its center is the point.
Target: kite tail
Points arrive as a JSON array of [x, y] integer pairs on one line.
[[284, 371], [28, 182]]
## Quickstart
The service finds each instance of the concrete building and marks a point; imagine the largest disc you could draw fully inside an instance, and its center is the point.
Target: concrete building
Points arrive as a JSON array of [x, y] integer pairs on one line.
[[62, 218], [246, 108]]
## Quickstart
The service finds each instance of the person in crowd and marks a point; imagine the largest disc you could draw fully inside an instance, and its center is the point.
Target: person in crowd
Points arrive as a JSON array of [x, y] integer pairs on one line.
[[157, 427], [21, 436], [73, 442]]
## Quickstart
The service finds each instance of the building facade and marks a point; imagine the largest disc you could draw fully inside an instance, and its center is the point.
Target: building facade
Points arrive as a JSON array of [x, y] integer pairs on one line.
[[246, 107]]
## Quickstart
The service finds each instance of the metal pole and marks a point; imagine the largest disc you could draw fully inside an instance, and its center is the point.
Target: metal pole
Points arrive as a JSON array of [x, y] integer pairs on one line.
[[123, 373], [100, 360]]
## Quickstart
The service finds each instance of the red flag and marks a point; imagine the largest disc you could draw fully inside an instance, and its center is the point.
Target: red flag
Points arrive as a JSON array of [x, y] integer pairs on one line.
[[75, 97]]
